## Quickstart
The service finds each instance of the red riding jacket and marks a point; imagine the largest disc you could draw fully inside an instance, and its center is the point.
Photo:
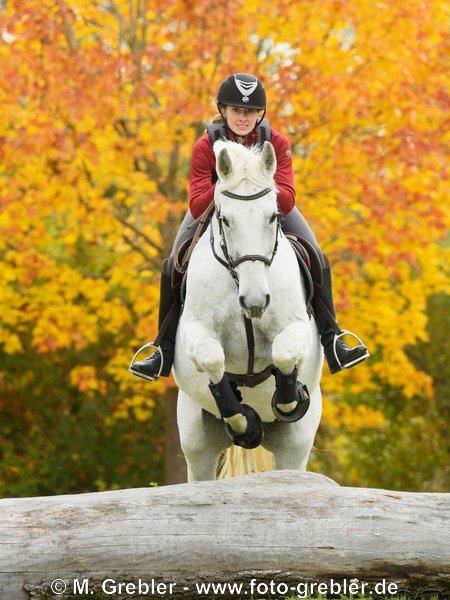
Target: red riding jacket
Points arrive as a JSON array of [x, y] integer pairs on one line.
[[203, 168]]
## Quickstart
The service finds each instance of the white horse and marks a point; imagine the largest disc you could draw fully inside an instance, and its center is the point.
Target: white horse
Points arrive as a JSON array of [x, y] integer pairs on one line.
[[244, 271]]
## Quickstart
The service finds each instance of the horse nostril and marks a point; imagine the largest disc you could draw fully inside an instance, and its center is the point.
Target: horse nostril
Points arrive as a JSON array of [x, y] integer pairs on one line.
[[242, 303], [255, 311]]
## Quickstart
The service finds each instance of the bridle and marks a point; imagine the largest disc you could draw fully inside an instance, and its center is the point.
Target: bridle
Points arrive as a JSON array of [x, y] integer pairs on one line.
[[250, 379], [229, 263]]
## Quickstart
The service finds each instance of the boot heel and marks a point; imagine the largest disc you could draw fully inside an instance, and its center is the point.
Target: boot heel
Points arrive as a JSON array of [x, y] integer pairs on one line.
[[360, 343], [148, 377]]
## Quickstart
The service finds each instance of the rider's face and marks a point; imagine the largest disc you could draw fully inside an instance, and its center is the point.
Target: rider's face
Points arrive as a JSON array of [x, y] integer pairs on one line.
[[241, 121]]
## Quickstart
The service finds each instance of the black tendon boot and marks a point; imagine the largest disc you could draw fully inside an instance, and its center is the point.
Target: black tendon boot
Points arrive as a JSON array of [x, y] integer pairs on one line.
[[161, 361], [339, 356]]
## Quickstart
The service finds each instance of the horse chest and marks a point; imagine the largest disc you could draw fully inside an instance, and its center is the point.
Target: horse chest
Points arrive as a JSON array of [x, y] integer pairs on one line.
[[233, 337]]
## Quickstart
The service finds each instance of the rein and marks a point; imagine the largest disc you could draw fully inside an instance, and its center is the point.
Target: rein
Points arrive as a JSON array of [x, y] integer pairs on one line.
[[260, 194]]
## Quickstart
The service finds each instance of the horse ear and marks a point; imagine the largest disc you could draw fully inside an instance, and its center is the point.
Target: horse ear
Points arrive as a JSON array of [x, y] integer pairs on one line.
[[268, 159], [223, 164]]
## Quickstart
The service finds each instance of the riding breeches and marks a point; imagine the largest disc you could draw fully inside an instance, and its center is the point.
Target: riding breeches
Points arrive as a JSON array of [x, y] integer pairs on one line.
[[293, 222]]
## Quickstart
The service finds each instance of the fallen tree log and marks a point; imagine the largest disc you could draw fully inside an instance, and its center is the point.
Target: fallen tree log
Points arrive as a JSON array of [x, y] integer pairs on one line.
[[281, 531]]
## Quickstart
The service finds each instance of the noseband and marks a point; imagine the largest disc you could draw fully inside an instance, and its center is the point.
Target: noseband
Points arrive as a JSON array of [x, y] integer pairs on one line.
[[229, 263]]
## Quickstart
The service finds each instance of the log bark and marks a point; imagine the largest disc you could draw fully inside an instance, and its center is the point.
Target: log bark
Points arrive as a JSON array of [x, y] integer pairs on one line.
[[285, 527]]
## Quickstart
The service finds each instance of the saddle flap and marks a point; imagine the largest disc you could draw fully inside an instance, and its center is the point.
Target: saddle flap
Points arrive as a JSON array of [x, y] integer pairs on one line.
[[179, 271], [183, 252], [309, 263]]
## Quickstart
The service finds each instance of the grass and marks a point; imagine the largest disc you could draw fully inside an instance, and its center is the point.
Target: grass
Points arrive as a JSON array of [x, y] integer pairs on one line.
[[251, 590], [100, 596]]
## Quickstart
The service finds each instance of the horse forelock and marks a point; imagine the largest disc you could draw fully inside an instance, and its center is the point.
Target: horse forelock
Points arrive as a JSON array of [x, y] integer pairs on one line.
[[246, 166]]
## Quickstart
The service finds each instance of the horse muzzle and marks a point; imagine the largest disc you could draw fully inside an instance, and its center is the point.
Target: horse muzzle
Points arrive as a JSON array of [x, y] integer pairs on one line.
[[254, 310]]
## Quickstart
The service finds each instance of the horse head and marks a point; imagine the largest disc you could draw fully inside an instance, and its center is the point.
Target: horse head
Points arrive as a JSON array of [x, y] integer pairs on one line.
[[247, 219]]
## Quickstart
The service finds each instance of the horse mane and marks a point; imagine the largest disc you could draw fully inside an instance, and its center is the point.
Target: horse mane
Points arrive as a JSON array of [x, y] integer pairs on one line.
[[245, 166]]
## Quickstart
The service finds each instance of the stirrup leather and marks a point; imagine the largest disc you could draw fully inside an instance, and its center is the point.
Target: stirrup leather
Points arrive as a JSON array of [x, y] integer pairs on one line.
[[353, 362], [149, 345]]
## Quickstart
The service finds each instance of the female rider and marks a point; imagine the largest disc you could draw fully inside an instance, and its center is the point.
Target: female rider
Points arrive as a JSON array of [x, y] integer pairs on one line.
[[241, 102]]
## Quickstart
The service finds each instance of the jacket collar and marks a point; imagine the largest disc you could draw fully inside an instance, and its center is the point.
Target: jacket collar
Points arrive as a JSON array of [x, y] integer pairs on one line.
[[250, 139]]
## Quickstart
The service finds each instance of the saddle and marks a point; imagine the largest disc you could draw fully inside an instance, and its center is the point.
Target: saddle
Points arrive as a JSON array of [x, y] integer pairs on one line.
[[309, 265], [183, 253]]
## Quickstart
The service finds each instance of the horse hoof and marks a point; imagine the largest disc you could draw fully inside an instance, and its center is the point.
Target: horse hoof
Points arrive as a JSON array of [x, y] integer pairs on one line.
[[254, 433], [300, 409]]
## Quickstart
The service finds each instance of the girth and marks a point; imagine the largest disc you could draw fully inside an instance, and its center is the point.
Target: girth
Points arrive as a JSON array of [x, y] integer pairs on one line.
[[250, 380]]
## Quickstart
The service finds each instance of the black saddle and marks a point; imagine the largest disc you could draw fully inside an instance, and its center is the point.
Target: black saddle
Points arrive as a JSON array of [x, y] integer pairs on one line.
[[309, 265]]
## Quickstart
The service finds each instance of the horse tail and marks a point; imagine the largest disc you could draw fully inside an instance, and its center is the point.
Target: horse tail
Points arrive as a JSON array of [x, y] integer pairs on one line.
[[237, 461]]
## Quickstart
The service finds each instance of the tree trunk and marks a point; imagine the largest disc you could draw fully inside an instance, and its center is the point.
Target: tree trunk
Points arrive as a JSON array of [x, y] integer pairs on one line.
[[175, 464], [271, 531]]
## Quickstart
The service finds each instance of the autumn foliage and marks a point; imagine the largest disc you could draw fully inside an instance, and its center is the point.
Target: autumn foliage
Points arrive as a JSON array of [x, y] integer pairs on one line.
[[100, 105]]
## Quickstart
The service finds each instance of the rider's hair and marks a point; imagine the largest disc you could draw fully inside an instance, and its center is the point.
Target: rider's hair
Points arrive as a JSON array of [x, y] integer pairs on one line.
[[218, 118]]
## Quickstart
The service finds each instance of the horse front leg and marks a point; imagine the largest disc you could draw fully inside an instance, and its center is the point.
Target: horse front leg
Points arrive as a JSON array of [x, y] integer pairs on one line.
[[290, 349], [204, 350], [243, 424], [292, 346]]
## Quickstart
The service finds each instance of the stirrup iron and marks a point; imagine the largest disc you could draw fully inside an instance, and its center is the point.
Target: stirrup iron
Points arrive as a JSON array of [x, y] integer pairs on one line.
[[360, 342], [149, 345]]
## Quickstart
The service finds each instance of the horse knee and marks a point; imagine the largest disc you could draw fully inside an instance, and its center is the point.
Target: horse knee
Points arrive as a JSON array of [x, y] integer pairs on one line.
[[209, 357], [285, 356], [290, 349]]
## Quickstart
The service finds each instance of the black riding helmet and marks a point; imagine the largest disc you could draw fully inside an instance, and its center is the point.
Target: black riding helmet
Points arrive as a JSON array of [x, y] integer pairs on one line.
[[243, 90]]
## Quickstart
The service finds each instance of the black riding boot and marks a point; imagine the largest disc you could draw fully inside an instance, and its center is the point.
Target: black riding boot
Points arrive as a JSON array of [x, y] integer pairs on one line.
[[161, 361], [339, 356]]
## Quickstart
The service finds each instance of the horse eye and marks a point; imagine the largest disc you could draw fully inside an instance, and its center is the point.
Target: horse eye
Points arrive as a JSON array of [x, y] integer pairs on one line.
[[273, 217], [225, 222]]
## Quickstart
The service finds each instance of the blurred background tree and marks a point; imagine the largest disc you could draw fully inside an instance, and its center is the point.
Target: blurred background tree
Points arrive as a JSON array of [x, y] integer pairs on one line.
[[410, 449], [101, 102]]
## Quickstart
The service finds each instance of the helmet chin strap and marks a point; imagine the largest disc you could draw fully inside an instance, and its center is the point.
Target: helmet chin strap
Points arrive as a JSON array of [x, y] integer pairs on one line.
[[259, 121]]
